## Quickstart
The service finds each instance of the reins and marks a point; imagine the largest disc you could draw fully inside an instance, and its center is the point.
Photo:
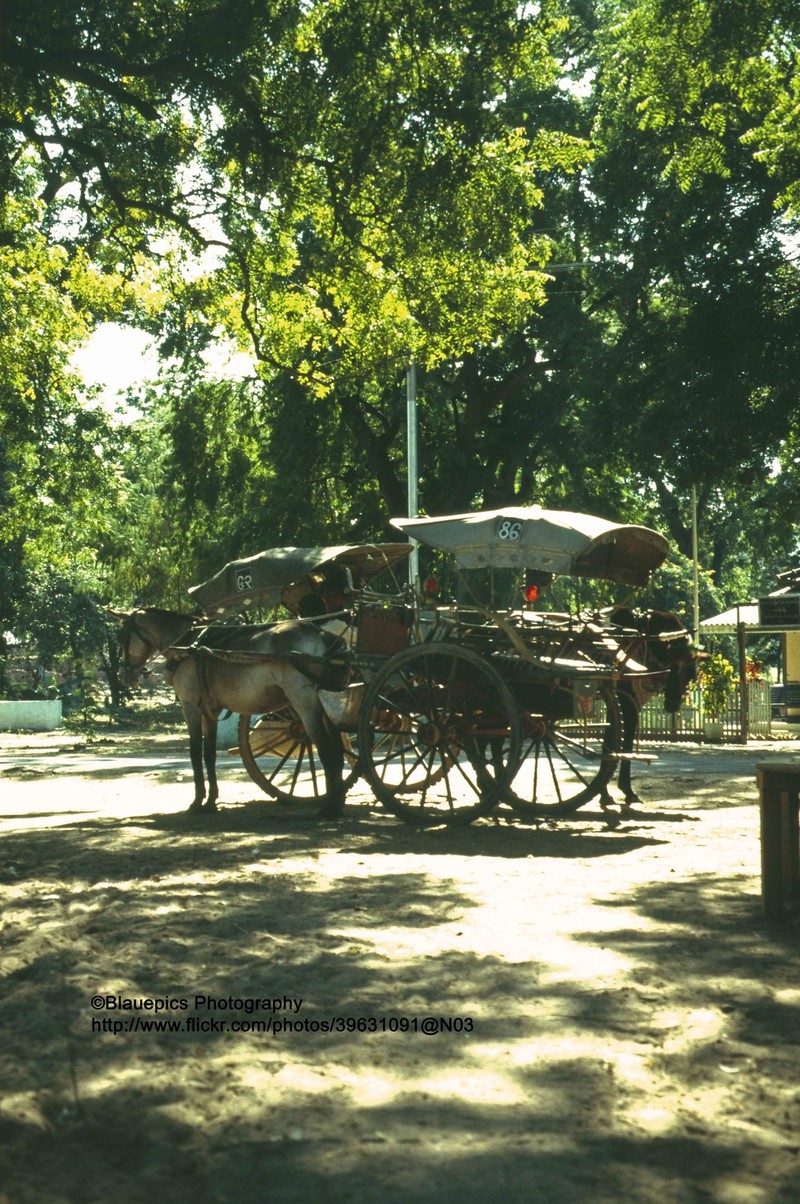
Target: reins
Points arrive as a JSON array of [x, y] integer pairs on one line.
[[132, 630], [177, 651]]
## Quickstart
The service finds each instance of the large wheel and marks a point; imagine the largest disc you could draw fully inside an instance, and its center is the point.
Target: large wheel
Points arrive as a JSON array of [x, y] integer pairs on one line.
[[438, 735], [282, 760], [570, 749]]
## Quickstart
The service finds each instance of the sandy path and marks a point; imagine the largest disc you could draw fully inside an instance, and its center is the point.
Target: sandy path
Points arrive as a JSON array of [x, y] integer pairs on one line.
[[622, 1022]]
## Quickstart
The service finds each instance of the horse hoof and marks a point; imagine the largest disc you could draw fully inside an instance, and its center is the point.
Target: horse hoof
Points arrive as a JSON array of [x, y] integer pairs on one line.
[[196, 807], [210, 808], [331, 811]]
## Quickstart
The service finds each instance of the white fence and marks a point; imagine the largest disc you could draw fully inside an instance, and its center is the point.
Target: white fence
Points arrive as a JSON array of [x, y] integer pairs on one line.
[[688, 722]]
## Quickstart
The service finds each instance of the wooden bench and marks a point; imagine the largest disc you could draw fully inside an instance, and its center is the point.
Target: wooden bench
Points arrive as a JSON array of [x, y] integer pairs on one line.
[[779, 804]]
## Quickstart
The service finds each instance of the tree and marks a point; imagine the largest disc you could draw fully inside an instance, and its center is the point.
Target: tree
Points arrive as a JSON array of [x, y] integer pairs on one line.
[[337, 189], [357, 185], [704, 75], [698, 288], [356, 170]]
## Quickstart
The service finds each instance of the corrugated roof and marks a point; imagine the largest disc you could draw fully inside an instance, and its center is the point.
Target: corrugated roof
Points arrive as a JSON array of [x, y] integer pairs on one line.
[[727, 622]]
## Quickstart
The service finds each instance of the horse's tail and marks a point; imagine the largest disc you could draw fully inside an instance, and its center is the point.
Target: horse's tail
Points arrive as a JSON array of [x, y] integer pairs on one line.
[[327, 673], [202, 658]]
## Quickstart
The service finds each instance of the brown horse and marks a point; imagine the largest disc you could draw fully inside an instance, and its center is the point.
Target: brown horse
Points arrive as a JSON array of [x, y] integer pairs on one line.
[[250, 670], [664, 648]]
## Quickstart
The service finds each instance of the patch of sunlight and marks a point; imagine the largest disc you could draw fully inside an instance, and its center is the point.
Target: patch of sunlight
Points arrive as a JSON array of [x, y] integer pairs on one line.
[[567, 960], [132, 1078], [788, 996], [653, 1118], [394, 942], [572, 961], [259, 1078], [370, 1088], [298, 1077], [24, 1107], [473, 1083], [701, 1024], [366, 1088], [728, 1191], [634, 1068]]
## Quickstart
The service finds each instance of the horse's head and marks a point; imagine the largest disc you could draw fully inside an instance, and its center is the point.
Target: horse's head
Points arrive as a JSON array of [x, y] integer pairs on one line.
[[666, 647], [143, 634], [136, 645], [682, 672]]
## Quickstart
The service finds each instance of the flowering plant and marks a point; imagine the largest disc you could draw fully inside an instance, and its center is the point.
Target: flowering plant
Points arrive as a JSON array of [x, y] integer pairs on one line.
[[717, 679], [755, 669]]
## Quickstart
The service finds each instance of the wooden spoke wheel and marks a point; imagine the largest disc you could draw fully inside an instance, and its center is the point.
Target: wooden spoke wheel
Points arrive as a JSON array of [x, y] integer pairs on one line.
[[282, 760], [438, 735], [569, 754]]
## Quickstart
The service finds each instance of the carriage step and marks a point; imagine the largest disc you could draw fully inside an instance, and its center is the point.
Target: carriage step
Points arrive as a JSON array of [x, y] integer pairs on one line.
[[636, 756]]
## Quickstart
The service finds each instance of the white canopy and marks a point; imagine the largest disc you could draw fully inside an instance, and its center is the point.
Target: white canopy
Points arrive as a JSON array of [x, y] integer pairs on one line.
[[552, 541]]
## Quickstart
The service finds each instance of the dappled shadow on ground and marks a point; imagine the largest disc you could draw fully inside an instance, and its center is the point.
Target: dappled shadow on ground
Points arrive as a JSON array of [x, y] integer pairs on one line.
[[342, 1115], [105, 848], [716, 922], [252, 1162], [551, 1087], [730, 956]]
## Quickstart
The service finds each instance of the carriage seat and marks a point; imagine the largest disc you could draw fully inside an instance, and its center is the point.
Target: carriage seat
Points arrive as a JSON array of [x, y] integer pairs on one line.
[[383, 630]]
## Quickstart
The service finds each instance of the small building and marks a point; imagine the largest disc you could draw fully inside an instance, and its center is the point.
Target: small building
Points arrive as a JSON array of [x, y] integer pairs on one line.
[[776, 614]]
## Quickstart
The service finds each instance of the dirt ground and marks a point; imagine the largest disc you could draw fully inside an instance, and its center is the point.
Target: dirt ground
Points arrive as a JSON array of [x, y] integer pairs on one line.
[[615, 1019]]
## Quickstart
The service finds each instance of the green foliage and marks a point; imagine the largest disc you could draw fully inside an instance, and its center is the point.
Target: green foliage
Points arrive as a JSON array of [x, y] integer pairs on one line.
[[54, 614], [567, 214], [705, 74], [358, 172], [717, 679]]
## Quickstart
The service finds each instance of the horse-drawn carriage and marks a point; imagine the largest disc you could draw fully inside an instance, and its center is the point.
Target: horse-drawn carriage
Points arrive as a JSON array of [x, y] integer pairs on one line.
[[446, 710]]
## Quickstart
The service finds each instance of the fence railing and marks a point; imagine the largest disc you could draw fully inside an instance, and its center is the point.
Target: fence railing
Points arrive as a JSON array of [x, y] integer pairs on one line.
[[689, 722]]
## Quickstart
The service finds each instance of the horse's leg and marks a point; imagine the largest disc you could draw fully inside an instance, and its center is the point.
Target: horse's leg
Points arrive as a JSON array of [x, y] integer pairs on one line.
[[194, 724], [630, 726], [210, 759], [303, 696], [331, 751]]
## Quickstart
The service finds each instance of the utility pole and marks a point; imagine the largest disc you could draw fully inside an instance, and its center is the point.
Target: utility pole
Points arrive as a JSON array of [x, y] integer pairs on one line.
[[413, 465], [695, 570]]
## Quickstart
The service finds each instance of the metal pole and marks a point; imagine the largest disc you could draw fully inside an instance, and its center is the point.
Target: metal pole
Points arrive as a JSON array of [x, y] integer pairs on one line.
[[744, 685], [413, 468], [695, 570]]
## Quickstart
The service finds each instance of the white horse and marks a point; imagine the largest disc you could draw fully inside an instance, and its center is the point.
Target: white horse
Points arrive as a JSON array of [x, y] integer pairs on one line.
[[249, 670]]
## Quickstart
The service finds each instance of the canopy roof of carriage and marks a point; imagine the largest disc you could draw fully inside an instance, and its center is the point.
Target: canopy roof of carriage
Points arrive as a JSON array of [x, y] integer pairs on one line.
[[552, 541], [288, 575]]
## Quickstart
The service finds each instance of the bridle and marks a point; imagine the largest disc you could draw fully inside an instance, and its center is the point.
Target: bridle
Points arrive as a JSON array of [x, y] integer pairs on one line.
[[668, 669], [128, 631]]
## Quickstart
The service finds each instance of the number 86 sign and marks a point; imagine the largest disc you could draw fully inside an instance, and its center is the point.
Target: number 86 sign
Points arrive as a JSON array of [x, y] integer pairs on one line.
[[508, 530]]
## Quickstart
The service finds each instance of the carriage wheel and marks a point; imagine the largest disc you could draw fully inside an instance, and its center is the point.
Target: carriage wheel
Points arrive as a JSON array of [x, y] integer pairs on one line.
[[282, 760], [438, 735], [567, 761]]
